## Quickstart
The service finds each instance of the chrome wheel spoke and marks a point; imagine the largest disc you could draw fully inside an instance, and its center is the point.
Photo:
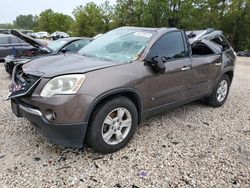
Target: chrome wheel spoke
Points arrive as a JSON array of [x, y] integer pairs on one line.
[[120, 113], [126, 123], [108, 120], [108, 135], [119, 136]]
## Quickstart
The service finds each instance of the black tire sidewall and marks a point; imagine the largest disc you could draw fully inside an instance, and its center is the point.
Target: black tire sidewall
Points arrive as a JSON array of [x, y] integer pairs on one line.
[[94, 133]]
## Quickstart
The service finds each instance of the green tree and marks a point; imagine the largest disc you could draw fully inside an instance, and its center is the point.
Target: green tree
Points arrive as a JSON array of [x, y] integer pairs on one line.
[[25, 21], [88, 20], [51, 21], [107, 12], [7, 26]]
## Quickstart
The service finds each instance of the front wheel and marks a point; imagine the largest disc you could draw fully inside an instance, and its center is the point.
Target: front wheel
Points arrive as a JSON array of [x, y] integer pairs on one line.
[[220, 92], [112, 126]]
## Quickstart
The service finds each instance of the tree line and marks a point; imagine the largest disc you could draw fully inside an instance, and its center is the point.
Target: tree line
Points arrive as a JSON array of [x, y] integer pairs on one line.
[[230, 16]]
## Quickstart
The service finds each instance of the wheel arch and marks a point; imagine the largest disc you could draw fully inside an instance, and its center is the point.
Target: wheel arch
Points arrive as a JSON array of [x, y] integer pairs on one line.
[[131, 94], [230, 74]]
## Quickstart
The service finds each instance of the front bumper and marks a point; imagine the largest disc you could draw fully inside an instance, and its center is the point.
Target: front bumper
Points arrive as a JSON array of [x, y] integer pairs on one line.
[[71, 135]]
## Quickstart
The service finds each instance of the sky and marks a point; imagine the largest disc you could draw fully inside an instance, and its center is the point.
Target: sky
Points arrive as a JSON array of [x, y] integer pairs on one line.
[[10, 9]]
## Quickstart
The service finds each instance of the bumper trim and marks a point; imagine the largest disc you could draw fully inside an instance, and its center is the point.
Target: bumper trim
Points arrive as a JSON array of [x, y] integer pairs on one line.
[[31, 110]]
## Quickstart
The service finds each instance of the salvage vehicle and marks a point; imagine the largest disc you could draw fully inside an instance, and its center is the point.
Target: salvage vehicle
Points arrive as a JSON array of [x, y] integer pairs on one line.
[[11, 45], [101, 94], [66, 45]]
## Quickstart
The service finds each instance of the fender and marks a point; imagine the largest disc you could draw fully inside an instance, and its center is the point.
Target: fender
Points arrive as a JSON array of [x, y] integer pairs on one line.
[[116, 91], [225, 70]]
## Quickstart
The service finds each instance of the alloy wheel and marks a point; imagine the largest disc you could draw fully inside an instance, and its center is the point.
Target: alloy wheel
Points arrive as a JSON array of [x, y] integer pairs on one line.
[[222, 90], [116, 126]]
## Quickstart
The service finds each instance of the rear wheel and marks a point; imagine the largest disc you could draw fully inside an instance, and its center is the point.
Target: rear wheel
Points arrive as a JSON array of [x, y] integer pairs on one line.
[[220, 92], [112, 126]]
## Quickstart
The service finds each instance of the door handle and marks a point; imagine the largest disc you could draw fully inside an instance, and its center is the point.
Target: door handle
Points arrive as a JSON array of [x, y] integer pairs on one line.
[[185, 68]]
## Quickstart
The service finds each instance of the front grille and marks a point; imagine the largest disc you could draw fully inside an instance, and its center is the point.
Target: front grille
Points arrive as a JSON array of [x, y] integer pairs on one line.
[[25, 82]]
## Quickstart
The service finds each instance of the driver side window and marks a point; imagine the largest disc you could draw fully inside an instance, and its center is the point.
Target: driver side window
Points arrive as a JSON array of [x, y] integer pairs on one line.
[[169, 47]]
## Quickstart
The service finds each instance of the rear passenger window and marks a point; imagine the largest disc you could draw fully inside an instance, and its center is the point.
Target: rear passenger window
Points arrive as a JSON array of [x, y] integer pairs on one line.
[[14, 40], [170, 46], [222, 42], [4, 40]]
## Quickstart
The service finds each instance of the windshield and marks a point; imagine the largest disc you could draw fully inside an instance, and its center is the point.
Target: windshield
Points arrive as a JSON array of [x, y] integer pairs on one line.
[[120, 45], [56, 45]]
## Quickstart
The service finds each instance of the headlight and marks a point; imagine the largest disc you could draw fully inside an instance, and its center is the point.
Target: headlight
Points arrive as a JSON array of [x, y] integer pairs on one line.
[[68, 84]]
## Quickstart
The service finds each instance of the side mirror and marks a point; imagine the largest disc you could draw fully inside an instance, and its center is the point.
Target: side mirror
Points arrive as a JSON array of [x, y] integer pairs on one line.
[[157, 64]]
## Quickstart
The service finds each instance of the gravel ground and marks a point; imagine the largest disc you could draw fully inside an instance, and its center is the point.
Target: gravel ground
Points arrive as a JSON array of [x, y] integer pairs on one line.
[[190, 146]]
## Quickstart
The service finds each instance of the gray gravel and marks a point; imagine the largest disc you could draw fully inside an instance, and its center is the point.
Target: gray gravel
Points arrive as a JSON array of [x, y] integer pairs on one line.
[[190, 146]]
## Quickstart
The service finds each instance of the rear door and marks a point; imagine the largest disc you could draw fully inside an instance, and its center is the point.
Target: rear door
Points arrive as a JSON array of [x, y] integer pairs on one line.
[[205, 69], [171, 86]]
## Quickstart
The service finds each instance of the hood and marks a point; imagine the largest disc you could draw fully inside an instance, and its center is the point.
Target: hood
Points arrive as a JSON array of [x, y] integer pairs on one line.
[[64, 64], [27, 39]]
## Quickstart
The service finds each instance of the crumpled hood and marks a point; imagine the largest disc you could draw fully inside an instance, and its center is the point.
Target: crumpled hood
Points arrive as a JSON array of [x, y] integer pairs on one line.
[[64, 64]]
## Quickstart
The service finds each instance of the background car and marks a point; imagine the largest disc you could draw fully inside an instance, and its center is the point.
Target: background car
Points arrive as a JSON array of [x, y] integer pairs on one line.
[[244, 54], [66, 45], [42, 35], [12, 45], [58, 34], [31, 34]]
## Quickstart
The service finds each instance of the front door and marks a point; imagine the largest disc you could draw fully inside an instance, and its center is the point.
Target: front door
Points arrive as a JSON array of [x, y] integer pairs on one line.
[[171, 86]]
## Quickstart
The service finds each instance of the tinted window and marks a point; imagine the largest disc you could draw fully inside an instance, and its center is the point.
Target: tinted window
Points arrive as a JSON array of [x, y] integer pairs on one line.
[[170, 46], [222, 42], [4, 40], [77, 45]]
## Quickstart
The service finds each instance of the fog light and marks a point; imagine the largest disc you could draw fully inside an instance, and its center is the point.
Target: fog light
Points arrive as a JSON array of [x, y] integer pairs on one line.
[[50, 115]]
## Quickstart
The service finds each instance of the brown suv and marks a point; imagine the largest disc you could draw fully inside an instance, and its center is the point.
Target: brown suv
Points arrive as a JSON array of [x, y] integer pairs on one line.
[[122, 77]]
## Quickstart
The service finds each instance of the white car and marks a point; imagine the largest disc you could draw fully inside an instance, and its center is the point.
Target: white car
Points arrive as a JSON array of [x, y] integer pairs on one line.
[[42, 35], [59, 34]]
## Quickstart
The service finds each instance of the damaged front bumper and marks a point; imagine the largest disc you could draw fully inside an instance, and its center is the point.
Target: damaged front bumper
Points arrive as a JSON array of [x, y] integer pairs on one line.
[[71, 135]]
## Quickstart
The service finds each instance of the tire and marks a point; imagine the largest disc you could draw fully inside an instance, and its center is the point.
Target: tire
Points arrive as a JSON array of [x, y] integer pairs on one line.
[[214, 100], [98, 129], [9, 68]]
